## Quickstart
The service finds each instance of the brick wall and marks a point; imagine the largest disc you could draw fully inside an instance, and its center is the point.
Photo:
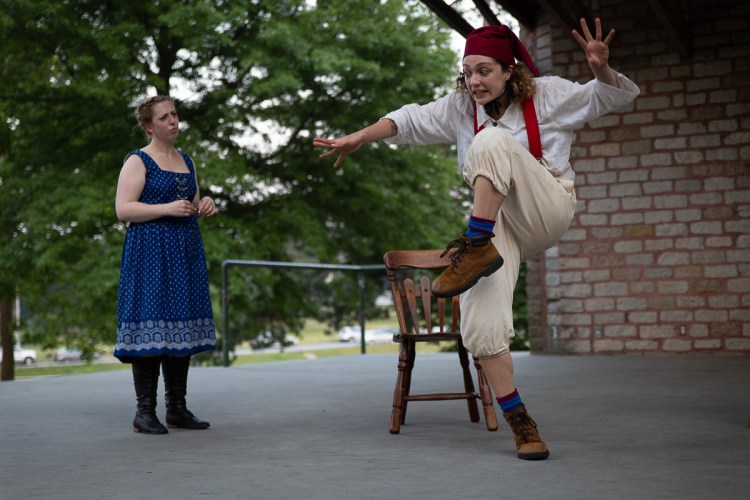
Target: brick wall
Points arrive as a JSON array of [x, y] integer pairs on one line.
[[658, 257]]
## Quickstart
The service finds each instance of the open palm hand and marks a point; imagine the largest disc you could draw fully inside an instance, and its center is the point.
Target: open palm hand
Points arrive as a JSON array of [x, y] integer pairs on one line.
[[596, 49]]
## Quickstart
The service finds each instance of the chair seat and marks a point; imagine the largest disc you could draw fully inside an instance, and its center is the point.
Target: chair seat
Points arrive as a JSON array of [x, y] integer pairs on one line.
[[418, 311]]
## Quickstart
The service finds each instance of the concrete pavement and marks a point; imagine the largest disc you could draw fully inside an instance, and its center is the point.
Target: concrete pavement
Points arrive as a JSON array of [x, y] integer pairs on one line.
[[617, 427]]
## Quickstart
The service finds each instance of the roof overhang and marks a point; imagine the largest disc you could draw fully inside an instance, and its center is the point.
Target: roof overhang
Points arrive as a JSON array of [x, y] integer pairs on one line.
[[566, 13]]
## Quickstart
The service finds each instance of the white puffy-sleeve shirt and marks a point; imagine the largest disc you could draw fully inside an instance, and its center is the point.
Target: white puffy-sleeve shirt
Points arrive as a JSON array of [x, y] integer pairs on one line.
[[561, 107]]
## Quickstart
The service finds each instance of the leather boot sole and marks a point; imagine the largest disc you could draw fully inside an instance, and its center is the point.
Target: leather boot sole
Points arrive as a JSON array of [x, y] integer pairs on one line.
[[541, 455], [494, 266], [141, 431], [189, 427]]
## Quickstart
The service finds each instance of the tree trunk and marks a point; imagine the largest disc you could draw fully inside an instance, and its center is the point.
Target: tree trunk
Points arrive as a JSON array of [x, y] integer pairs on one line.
[[6, 337]]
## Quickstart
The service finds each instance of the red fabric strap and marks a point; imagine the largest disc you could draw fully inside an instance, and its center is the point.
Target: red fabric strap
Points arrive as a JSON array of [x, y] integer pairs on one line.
[[532, 127], [476, 128]]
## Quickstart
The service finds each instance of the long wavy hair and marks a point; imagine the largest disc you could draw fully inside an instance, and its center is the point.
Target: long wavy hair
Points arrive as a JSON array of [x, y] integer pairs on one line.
[[520, 86]]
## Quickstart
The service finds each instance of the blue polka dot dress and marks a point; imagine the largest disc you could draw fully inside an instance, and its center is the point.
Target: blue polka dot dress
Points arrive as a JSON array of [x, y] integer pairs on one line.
[[164, 305]]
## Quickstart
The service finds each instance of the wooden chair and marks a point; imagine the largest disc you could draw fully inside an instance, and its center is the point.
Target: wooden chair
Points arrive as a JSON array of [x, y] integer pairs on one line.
[[421, 320]]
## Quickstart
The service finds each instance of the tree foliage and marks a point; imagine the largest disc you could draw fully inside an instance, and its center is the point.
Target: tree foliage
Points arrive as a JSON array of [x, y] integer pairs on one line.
[[255, 82]]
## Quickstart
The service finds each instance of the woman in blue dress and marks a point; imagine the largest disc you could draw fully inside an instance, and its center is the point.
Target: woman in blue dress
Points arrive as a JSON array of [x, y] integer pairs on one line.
[[164, 313]]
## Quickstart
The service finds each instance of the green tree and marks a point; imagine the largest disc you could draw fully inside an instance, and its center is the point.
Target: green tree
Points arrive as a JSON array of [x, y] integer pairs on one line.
[[259, 80]]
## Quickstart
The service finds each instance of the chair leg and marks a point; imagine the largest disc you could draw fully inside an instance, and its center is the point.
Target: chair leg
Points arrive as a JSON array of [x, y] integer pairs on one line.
[[463, 357], [485, 394], [397, 411], [411, 349]]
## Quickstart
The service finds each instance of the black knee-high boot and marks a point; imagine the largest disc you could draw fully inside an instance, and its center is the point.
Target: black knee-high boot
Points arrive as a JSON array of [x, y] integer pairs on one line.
[[146, 380], [175, 370]]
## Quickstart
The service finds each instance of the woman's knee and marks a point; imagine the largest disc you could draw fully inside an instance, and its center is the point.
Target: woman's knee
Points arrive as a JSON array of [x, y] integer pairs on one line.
[[487, 345], [491, 156]]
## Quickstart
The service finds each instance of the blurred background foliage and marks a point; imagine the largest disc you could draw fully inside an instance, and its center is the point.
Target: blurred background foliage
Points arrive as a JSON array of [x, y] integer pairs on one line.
[[255, 82]]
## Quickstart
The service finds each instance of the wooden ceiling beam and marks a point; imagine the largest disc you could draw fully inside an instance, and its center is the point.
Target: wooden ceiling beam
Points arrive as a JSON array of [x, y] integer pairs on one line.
[[449, 16], [524, 11], [490, 18]]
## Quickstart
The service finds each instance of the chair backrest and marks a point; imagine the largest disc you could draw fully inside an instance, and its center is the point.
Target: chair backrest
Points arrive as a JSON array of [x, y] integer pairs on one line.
[[412, 296]]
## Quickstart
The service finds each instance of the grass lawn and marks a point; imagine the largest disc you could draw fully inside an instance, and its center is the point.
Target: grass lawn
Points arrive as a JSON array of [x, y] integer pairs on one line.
[[314, 333]]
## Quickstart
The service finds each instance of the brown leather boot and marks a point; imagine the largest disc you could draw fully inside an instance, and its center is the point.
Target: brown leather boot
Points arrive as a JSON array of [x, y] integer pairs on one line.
[[475, 257], [528, 443]]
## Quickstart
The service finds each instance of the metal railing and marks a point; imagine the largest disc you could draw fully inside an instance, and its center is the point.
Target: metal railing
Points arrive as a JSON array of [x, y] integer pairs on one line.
[[225, 265]]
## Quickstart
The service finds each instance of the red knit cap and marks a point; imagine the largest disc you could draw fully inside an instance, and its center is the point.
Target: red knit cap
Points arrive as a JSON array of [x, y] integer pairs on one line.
[[500, 43]]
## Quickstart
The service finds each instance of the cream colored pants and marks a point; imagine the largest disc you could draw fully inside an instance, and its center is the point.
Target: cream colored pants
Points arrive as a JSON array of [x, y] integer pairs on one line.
[[536, 212]]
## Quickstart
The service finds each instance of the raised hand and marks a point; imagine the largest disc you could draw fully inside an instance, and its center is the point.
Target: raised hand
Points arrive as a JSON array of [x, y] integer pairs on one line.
[[596, 50]]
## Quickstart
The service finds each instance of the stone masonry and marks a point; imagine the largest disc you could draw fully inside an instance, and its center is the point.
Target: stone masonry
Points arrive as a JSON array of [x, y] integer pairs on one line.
[[657, 259]]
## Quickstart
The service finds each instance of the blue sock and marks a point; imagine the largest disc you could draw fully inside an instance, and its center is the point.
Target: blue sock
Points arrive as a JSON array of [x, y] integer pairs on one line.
[[510, 402], [479, 226]]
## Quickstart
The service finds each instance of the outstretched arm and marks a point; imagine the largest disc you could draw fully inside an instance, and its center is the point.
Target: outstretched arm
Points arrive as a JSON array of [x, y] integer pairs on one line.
[[597, 51], [348, 144]]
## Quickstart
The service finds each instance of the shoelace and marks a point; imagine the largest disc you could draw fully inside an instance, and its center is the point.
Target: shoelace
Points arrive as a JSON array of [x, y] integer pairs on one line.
[[459, 255], [523, 425]]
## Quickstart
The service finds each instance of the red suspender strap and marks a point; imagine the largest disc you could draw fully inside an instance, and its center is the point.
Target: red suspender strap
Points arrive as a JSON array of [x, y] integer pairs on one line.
[[476, 127], [532, 127]]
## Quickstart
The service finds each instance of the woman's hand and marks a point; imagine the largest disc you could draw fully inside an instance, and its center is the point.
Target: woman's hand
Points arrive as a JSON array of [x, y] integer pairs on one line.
[[206, 207], [382, 129], [180, 208], [343, 146], [597, 51]]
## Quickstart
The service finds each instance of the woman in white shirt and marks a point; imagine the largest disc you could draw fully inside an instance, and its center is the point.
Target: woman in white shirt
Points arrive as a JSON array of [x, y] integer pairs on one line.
[[523, 202]]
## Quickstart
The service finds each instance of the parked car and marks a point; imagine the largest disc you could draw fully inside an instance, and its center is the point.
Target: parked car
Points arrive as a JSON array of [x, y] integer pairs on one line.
[[21, 355], [65, 354], [266, 339], [70, 354], [380, 336], [349, 334]]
